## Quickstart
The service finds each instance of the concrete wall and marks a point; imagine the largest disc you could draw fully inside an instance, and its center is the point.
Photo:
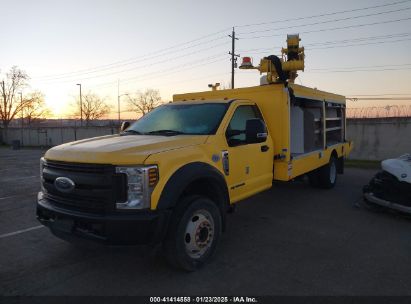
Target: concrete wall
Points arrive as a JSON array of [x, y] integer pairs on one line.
[[374, 138], [379, 138], [53, 136]]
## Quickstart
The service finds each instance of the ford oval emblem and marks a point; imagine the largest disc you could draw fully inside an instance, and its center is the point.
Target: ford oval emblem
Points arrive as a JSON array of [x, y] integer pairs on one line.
[[64, 184]]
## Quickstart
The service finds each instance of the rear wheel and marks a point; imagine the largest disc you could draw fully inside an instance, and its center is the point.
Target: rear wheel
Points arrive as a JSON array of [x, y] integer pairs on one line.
[[327, 175], [193, 233], [313, 178]]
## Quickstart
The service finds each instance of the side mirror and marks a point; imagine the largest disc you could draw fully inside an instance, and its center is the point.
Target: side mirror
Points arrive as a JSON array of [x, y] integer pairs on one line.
[[255, 131], [124, 126], [231, 133]]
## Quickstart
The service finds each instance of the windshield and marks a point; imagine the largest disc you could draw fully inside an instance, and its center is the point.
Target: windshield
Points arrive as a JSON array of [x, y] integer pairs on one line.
[[174, 119]]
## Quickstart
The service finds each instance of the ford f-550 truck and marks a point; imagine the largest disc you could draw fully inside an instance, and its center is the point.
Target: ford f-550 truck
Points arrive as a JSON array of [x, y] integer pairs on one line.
[[172, 176]]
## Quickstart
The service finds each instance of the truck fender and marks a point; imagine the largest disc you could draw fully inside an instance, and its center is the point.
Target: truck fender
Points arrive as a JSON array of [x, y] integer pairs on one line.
[[188, 175]]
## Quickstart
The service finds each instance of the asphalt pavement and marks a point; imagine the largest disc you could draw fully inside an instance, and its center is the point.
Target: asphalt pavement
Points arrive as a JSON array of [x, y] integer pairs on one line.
[[290, 240]]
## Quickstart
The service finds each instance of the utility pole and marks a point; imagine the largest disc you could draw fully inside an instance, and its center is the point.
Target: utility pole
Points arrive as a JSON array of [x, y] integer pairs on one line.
[[22, 116], [81, 107], [233, 57]]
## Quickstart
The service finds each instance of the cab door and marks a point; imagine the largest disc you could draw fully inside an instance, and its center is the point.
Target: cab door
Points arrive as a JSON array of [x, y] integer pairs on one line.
[[250, 165]]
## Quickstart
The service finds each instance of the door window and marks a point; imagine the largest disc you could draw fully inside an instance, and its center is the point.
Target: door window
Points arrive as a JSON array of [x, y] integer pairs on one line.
[[235, 132]]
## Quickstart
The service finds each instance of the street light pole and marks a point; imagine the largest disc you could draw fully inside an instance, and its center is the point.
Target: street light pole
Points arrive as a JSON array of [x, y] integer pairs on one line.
[[118, 100], [81, 107], [119, 105]]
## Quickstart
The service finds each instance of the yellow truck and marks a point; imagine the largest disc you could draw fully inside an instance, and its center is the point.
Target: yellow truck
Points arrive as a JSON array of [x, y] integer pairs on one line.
[[172, 176]]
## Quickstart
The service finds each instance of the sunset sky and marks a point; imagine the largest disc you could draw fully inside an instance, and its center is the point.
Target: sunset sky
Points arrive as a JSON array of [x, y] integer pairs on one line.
[[353, 48]]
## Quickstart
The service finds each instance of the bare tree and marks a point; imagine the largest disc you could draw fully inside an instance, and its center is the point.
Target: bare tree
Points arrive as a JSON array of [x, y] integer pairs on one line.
[[35, 107], [10, 104], [144, 102], [94, 107]]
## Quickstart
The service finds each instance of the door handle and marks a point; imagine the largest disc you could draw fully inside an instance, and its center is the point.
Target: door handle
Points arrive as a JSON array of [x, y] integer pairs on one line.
[[265, 148]]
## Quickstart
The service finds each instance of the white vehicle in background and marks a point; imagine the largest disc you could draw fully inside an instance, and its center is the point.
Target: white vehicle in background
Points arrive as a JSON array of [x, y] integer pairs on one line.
[[391, 187]]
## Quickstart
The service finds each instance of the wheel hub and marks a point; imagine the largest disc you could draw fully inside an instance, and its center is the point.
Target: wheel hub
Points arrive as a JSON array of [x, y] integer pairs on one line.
[[199, 233], [203, 234]]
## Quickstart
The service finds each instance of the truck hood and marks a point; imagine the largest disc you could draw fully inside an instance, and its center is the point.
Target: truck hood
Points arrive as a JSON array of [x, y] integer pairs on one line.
[[120, 150]]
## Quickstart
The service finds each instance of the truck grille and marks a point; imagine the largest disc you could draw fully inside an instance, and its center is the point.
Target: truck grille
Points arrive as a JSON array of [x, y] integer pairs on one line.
[[97, 187]]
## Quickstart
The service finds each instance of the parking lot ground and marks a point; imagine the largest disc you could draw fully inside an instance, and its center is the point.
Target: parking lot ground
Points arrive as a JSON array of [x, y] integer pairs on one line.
[[289, 240]]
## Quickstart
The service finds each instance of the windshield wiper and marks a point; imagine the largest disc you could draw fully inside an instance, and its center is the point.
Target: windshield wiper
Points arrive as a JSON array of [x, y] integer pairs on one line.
[[131, 132], [166, 132]]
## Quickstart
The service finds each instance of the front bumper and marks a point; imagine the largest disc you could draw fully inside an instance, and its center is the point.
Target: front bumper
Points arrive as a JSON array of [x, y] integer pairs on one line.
[[122, 228], [370, 197]]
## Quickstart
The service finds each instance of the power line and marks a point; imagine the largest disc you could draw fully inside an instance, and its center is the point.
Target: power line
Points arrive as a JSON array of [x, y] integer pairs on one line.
[[134, 68], [367, 66], [366, 70], [189, 67], [325, 14], [142, 75], [161, 72], [361, 39], [333, 29], [143, 57], [337, 42], [327, 21], [358, 44], [348, 71], [150, 55], [177, 48], [330, 47], [74, 74]]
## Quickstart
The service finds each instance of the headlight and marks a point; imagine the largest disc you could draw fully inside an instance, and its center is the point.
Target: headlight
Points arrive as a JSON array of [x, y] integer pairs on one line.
[[140, 183]]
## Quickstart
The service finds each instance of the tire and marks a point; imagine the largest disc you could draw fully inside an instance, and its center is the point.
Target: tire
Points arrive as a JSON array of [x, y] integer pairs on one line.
[[193, 234], [313, 178], [327, 175]]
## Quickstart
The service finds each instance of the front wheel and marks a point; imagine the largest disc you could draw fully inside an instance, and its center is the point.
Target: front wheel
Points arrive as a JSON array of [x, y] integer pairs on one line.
[[193, 233]]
